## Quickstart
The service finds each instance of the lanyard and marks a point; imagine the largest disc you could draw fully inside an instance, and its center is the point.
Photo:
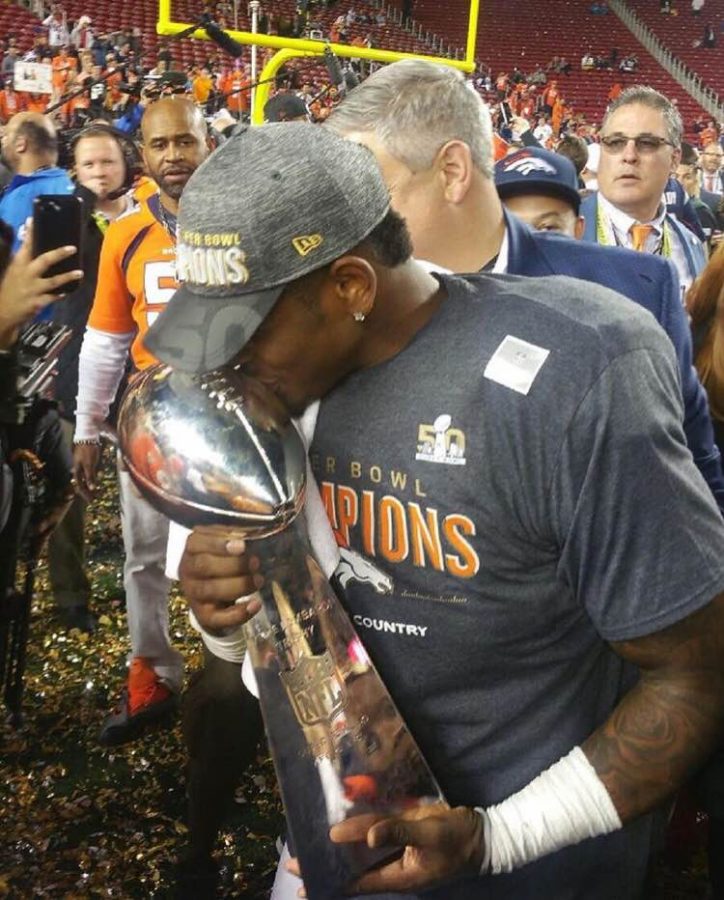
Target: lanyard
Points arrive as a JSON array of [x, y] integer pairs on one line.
[[602, 235], [101, 222]]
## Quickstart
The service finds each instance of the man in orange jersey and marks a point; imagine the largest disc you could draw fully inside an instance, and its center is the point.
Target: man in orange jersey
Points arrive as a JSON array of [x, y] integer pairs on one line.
[[137, 276]]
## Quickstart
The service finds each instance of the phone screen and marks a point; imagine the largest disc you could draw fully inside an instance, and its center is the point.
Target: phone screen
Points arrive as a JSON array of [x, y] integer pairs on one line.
[[58, 222]]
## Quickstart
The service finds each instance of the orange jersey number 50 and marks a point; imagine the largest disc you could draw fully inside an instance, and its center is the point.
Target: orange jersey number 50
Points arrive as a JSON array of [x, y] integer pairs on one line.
[[159, 285]]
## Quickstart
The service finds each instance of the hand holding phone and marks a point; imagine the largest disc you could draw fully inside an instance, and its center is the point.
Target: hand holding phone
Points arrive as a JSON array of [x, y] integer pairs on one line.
[[58, 222], [26, 287]]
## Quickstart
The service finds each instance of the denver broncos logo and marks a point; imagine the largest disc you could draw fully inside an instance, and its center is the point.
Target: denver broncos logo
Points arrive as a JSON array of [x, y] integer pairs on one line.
[[529, 164], [354, 567]]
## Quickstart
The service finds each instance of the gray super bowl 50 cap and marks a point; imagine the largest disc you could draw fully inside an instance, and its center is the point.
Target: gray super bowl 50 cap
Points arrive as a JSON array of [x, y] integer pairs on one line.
[[270, 205]]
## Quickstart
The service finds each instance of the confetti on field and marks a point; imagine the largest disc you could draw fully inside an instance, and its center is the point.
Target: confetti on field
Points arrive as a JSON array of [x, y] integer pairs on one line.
[[80, 820], [83, 821]]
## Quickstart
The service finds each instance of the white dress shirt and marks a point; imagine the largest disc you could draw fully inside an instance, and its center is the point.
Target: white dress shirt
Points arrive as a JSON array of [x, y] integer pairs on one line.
[[617, 228]]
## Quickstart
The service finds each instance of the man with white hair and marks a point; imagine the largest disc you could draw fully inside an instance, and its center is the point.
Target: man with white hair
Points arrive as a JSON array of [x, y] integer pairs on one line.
[[433, 140]]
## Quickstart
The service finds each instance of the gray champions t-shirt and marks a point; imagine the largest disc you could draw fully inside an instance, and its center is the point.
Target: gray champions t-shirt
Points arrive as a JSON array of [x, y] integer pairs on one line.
[[512, 492]]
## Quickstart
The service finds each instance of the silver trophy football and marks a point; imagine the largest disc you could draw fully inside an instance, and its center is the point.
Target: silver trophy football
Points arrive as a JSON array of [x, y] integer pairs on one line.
[[220, 449]]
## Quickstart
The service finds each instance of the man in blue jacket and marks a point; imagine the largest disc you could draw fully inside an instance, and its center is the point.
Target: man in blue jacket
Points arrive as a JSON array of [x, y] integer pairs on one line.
[[432, 138], [30, 149], [640, 149], [540, 188]]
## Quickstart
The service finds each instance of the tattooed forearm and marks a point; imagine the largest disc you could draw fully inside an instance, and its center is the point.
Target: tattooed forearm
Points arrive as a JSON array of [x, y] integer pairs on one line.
[[668, 724]]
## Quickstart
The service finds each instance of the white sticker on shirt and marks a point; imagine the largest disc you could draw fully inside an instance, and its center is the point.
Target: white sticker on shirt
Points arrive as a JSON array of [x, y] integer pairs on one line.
[[516, 364]]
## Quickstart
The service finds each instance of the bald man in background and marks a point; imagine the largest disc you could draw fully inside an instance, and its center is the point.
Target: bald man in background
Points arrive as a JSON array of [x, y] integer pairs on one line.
[[136, 277], [30, 151]]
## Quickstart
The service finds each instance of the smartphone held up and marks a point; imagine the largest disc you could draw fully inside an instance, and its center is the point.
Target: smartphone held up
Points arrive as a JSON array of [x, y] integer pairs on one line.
[[58, 222]]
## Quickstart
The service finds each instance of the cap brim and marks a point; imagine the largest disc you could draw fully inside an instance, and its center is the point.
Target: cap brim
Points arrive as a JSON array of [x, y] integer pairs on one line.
[[196, 333], [544, 188]]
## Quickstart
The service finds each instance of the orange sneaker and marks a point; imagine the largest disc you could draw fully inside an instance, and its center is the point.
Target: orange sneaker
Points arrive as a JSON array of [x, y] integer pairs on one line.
[[144, 687], [145, 701]]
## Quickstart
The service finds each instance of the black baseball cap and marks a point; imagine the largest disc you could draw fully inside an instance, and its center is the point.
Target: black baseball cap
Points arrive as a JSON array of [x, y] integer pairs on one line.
[[534, 170], [285, 108]]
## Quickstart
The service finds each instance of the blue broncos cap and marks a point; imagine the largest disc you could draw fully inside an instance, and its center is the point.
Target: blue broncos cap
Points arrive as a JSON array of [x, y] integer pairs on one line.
[[534, 170]]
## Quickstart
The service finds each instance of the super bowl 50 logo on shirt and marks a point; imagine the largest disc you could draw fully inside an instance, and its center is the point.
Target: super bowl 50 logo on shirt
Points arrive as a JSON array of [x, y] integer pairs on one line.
[[441, 443]]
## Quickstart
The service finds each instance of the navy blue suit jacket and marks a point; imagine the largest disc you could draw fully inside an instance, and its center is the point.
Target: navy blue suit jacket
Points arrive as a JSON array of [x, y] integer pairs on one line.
[[713, 201], [651, 282], [692, 246]]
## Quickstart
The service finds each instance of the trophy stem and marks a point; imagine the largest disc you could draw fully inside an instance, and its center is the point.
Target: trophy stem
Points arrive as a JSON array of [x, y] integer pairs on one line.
[[339, 745]]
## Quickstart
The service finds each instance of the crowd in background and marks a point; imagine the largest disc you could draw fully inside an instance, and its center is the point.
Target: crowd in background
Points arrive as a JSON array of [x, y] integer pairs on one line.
[[100, 75], [101, 81]]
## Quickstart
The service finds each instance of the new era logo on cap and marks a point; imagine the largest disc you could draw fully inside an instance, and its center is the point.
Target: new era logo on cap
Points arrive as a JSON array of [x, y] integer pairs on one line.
[[306, 243]]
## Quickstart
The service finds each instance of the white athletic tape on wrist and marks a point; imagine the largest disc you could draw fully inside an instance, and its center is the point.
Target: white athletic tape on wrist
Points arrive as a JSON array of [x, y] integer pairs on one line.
[[562, 806], [230, 646]]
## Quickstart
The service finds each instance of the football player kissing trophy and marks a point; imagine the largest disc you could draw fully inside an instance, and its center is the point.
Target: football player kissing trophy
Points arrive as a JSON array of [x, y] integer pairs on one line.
[[221, 449]]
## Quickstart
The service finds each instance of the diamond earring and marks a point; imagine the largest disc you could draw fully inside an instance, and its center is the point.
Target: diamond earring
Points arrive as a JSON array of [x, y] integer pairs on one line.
[[358, 316]]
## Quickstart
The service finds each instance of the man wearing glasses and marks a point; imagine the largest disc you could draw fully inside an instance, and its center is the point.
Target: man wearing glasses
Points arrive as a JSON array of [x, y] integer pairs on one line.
[[711, 164], [640, 149], [432, 137], [706, 205]]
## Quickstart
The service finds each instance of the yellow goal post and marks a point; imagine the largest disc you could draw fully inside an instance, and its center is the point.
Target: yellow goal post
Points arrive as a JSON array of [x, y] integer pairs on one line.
[[290, 48]]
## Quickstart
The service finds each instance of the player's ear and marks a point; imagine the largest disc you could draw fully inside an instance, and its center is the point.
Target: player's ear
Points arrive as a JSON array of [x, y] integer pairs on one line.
[[354, 283]]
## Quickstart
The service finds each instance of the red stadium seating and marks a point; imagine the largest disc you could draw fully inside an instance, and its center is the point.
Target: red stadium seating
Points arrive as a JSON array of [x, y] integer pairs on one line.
[[18, 21], [111, 16], [680, 32], [530, 34], [507, 36]]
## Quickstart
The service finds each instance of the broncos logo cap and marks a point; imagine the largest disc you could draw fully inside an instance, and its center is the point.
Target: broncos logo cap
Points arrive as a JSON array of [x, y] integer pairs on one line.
[[271, 205], [534, 170]]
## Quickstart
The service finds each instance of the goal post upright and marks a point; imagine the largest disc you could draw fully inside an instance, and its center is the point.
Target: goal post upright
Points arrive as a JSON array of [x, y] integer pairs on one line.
[[289, 48]]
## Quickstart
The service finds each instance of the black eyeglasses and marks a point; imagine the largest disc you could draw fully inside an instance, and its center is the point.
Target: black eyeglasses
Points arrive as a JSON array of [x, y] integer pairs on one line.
[[645, 143]]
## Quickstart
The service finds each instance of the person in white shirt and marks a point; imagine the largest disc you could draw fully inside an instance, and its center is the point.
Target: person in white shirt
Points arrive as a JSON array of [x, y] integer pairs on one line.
[[543, 130], [711, 168], [57, 25]]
